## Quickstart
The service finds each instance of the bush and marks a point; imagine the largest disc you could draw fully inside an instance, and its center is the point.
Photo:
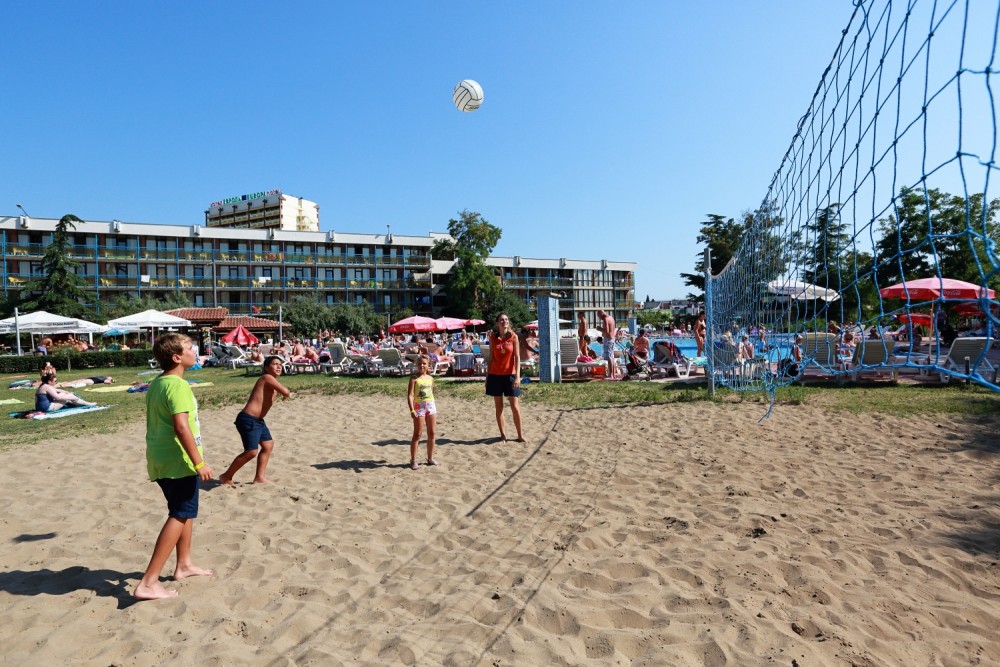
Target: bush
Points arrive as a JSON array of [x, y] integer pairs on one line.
[[70, 359]]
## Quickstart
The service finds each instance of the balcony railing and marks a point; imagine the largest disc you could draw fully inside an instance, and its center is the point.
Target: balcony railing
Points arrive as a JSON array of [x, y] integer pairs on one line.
[[158, 253]]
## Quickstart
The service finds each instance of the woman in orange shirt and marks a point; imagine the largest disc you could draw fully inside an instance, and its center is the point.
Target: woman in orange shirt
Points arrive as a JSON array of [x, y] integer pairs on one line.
[[503, 377]]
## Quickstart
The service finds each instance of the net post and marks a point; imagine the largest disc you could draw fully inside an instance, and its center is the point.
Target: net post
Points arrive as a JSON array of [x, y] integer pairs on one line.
[[709, 365]]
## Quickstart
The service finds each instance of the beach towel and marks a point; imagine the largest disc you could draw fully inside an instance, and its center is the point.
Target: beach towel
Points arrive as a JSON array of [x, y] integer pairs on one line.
[[106, 389], [58, 414], [20, 384], [9, 401]]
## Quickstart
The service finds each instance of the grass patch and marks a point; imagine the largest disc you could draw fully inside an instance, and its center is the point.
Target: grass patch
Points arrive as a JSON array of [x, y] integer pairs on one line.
[[230, 390]]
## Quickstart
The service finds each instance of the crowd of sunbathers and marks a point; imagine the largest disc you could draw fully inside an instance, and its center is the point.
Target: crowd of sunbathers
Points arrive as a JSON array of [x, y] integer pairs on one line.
[[438, 347]]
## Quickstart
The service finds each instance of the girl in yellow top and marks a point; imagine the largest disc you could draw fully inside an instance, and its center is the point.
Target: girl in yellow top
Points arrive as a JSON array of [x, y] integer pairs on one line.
[[420, 399]]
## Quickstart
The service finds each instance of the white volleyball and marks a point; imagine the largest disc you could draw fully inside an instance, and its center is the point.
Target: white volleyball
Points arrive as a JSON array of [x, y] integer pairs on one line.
[[468, 95]]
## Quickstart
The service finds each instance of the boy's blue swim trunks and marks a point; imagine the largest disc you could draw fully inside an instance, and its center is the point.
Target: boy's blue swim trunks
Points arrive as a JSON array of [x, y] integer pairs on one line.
[[252, 430]]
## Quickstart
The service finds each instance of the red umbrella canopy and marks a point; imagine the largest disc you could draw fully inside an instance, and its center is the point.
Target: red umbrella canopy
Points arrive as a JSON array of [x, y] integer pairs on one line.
[[240, 336], [474, 323], [916, 319], [927, 289], [450, 323], [972, 309], [413, 325]]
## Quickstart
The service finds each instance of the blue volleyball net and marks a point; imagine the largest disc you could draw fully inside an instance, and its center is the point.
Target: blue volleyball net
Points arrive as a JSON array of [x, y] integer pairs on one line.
[[874, 249]]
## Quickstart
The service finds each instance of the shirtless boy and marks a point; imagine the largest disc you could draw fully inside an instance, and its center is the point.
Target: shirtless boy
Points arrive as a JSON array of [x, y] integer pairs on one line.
[[251, 426]]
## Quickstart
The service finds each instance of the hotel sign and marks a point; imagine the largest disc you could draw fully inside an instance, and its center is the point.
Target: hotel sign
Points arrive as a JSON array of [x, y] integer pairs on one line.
[[247, 197]]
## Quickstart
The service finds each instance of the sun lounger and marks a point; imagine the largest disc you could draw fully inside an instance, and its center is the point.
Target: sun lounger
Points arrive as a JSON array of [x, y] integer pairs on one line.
[[873, 356], [569, 350], [393, 362], [339, 362], [971, 350]]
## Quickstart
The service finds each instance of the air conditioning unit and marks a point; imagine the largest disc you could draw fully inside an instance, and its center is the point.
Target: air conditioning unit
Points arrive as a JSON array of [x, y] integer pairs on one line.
[[23, 219], [197, 230], [116, 226], [517, 260]]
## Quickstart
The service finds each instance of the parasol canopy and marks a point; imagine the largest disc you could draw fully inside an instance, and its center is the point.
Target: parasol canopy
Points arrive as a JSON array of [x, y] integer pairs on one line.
[[916, 319], [450, 323], [928, 289], [240, 336], [413, 324], [148, 319], [802, 291]]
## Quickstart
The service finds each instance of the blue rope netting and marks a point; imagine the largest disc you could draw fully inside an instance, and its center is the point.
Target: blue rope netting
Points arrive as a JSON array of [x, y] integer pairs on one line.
[[880, 204]]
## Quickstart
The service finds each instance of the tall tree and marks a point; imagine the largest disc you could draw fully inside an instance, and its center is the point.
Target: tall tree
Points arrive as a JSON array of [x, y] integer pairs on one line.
[[723, 238], [502, 301], [822, 245], [471, 281], [931, 231], [59, 290]]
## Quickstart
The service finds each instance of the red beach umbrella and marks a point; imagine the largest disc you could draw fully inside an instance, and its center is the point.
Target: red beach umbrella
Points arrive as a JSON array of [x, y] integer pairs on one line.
[[413, 325], [450, 323], [474, 323], [927, 289], [240, 336], [916, 319]]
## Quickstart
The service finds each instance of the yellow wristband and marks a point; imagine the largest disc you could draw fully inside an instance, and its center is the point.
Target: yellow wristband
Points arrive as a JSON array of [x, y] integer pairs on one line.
[[199, 466]]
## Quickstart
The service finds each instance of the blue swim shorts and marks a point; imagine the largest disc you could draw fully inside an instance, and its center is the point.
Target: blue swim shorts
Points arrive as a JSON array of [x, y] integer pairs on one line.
[[181, 495], [252, 430], [501, 385], [609, 350]]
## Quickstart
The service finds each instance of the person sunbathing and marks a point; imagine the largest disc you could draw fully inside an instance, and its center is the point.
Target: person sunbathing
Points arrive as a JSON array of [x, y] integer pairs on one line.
[[50, 398]]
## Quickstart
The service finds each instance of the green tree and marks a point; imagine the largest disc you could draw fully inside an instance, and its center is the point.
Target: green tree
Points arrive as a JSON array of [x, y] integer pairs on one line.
[[471, 282], [59, 290], [129, 305], [502, 301], [723, 238], [658, 318], [305, 316], [930, 231]]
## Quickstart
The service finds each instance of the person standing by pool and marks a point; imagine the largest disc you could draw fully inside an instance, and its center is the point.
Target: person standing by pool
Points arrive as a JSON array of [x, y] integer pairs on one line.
[[581, 332], [503, 377], [699, 334], [608, 332]]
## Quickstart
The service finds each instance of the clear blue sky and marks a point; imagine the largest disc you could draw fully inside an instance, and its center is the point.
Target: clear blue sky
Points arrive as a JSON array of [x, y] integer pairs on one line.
[[608, 130]]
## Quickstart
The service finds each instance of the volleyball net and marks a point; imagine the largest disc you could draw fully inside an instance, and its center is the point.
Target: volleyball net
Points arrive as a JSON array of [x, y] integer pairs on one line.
[[874, 250]]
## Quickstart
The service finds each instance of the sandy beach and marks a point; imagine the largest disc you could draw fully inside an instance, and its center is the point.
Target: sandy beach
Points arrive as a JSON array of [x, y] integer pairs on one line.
[[684, 534]]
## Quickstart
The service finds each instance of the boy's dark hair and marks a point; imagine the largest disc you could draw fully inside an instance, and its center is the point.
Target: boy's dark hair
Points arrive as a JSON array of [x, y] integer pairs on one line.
[[166, 346], [271, 357]]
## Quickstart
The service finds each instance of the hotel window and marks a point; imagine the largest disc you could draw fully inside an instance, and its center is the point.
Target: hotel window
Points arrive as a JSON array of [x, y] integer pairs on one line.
[[199, 300], [121, 270], [298, 273], [329, 274], [266, 271], [35, 268], [199, 271]]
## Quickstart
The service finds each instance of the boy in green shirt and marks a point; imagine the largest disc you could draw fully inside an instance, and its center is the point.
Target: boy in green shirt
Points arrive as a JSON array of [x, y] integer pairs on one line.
[[174, 461]]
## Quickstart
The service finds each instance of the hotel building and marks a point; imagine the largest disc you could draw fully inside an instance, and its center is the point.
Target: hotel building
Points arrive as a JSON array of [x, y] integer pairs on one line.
[[250, 264]]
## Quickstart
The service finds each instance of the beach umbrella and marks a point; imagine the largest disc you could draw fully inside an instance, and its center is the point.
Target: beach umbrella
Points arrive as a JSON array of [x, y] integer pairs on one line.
[[450, 323], [973, 309], [474, 323], [801, 291], [413, 324], [240, 336], [916, 319], [534, 324], [928, 289], [148, 319]]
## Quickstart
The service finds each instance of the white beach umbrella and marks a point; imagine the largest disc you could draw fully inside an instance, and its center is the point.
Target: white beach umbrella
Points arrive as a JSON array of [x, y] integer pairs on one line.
[[148, 319], [802, 291]]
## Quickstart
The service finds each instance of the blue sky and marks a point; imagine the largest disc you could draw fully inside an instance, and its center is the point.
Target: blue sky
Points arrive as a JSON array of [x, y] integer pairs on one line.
[[608, 130]]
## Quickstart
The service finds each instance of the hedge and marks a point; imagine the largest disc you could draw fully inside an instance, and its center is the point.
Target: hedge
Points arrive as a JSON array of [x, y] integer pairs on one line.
[[69, 359]]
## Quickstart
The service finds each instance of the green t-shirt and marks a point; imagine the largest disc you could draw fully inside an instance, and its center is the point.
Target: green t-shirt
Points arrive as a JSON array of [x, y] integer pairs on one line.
[[167, 396]]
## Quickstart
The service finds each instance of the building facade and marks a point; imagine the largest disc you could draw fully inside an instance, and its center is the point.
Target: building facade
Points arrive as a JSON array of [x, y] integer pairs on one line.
[[271, 209], [250, 271]]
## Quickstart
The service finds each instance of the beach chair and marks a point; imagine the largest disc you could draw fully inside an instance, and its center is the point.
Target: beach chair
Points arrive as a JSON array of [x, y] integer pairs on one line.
[[393, 362], [821, 349], [724, 362], [667, 358], [569, 350], [873, 356], [972, 348], [236, 357], [483, 360], [339, 362]]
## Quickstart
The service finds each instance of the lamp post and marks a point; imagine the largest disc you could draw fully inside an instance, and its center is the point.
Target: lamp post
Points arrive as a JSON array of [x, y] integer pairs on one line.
[[22, 210]]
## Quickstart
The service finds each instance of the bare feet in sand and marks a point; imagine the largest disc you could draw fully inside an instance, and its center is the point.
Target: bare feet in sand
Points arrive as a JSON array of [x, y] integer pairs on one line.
[[191, 571], [520, 439], [154, 592], [228, 481], [262, 481]]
